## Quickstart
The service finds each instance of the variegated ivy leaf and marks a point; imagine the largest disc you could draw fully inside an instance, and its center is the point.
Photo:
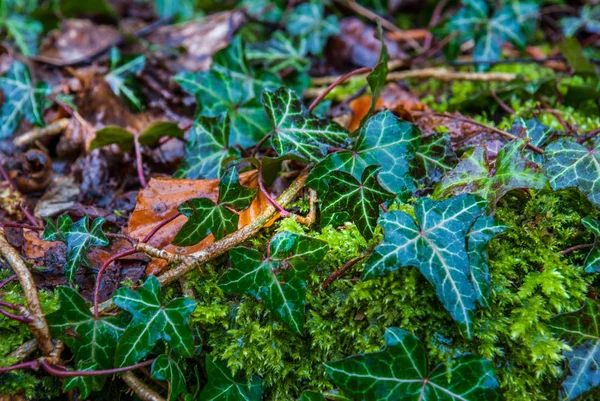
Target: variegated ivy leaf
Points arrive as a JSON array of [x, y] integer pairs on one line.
[[483, 230], [384, 140], [21, 99], [351, 199], [401, 372], [569, 164], [85, 384], [171, 369], [78, 240], [378, 75], [208, 149], [582, 332], [435, 242], [592, 262], [538, 134], [232, 87], [308, 20], [206, 217], [297, 131], [279, 280], [23, 31], [91, 340], [467, 20], [152, 321], [224, 386], [474, 175], [434, 158], [279, 53], [120, 78]]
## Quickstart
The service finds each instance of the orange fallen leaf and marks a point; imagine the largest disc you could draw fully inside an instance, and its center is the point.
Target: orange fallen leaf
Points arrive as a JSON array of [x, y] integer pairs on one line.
[[160, 199]]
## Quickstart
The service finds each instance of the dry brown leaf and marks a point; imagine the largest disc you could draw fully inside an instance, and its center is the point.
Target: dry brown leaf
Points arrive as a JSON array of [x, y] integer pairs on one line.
[[160, 199]]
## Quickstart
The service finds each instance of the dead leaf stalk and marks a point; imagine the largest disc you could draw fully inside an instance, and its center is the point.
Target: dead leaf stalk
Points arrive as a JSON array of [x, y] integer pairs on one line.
[[38, 133], [140, 388]]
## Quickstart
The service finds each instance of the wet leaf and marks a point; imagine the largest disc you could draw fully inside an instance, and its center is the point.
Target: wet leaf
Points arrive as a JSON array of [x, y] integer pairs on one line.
[[592, 262], [205, 217], [434, 158], [538, 134], [222, 385], [78, 240], [474, 175], [435, 242], [401, 371], [22, 99], [296, 131], [359, 201], [171, 369], [307, 20], [581, 331], [569, 164], [152, 321], [159, 129], [376, 78], [279, 280], [113, 135]]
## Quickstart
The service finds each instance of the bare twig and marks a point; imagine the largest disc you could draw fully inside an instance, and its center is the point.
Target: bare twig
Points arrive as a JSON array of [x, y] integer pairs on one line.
[[501, 103], [335, 83], [140, 388], [339, 273], [37, 133], [39, 327], [576, 247], [139, 162]]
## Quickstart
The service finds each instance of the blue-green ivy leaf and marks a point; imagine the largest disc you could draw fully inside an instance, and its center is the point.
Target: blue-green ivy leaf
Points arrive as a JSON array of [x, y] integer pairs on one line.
[[224, 386], [592, 262], [171, 369], [120, 78], [308, 20], [279, 53]]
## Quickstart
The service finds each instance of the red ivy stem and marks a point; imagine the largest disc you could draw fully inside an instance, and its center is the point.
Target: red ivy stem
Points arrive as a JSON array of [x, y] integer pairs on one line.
[[335, 83], [56, 370], [25, 365], [9, 306], [8, 280], [122, 236], [101, 272], [576, 247], [138, 161], [159, 226], [19, 225], [339, 272], [284, 213], [18, 318]]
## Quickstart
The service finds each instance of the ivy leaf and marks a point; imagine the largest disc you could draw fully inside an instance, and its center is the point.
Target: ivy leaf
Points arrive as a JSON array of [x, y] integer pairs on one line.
[[119, 78], [580, 329], [208, 149], [170, 368], [78, 240], [592, 262], [23, 31], [538, 134], [308, 20], [384, 140], [279, 280], [376, 78], [487, 48], [434, 158], [55, 232], [204, 217], [587, 20], [152, 321], [159, 129], [435, 243], [170, 8], [296, 130], [222, 385], [91, 340], [474, 175], [359, 200], [21, 99], [85, 384], [483, 230], [468, 19], [505, 24], [279, 53], [400, 372], [569, 164], [113, 135]]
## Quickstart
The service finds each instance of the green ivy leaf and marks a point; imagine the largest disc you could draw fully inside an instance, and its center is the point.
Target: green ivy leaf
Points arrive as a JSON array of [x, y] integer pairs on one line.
[[469, 18], [85, 384], [588, 20], [78, 240], [434, 158], [120, 78], [435, 243], [113, 135], [384, 140], [158, 129], [152, 321], [279, 53], [592, 262], [296, 131], [573, 52], [91, 340], [483, 230], [487, 48], [569, 164], [357, 200], [474, 175], [312, 396], [171, 369], [376, 78], [206, 217], [56, 232], [537, 133], [400, 372], [279, 280], [222, 385], [505, 24], [171, 8], [582, 332], [24, 32], [21, 99], [308, 20], [208, 149]]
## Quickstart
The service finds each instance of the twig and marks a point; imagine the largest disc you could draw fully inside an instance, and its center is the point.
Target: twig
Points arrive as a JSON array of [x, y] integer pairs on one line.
[[517, 60], [39, 327], [260, 144], [101, 272], [576, 247], [139, 163], [501, 103], [37, 133], [140, 388], [473, 122], [19, 225], [122, 236], [24, 350], [335, 83], [310, 218], [437, 13], [261, 185], [339, 272], [587, 136]]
